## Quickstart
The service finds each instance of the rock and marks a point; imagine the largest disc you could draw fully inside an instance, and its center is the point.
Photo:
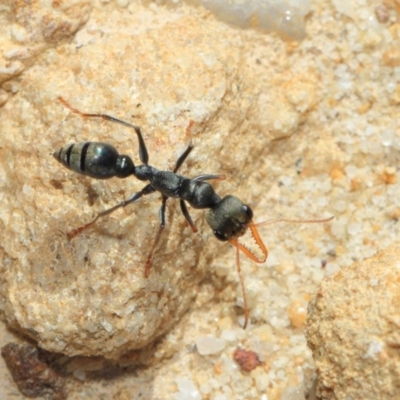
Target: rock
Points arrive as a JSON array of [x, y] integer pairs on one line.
[[353, 329], [247, 359], [32, 28], [32, 371], [88, 296]]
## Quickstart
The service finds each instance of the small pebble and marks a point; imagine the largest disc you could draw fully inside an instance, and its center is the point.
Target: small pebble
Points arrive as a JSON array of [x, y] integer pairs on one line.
[[207, 345], [247, 359]]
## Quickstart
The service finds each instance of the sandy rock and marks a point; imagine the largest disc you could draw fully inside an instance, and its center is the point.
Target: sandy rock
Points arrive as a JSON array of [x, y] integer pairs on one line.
[[29, 28], [330, 103], [88, 296], [353, 330]]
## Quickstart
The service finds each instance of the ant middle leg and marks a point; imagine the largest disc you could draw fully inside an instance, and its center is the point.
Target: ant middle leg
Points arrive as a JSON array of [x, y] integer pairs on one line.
[[143, 154], [135, 197]]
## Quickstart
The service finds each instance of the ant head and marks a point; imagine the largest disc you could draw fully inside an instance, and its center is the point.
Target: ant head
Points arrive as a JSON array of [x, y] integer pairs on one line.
[[229, 218]]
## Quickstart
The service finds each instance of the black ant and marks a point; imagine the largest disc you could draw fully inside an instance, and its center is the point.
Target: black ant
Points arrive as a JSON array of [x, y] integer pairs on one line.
[[228, 217]]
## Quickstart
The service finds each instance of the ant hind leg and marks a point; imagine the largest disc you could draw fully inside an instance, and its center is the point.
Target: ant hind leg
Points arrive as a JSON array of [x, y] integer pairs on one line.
[[143, 153], [135, 197], [158, 236]]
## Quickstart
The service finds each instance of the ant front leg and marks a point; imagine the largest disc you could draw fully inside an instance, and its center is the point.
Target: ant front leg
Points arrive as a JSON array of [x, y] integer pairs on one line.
[[135, 197], [208, 177], [186, 214], [181, 159]]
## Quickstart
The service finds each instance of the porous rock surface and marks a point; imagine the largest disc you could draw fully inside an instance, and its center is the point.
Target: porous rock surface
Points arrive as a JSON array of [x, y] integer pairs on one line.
[[301, 130], [353, 329], [88, 296]]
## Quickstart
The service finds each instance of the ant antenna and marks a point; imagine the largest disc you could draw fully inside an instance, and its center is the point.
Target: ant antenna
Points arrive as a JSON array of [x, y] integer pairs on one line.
[[294, 221]]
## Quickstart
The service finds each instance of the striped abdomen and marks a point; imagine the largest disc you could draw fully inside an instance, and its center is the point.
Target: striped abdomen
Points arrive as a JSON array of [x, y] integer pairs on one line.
[[95, 159]]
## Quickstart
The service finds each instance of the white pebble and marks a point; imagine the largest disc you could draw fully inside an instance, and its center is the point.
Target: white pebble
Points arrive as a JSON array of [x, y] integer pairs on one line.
[[80, 374], [387, 137], [286, 17], [207, 345], [228, 335], [293, 393], [354, 228], [187, 390]]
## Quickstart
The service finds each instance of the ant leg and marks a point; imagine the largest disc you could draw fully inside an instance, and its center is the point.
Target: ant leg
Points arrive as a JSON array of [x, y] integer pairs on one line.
[[143, 154], [245, 305], [207, 177], [136, 196], [183, 157], [186, 214], [158, 236]]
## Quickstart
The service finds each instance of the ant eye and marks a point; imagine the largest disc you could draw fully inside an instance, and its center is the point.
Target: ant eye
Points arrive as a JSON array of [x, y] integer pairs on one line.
[[248, 211], [220, 236]]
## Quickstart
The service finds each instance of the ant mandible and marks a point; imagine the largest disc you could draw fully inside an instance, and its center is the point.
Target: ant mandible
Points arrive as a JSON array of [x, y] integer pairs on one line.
[[228, 217]]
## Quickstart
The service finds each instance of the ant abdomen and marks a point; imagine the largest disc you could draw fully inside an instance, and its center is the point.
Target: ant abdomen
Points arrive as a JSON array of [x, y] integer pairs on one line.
[[95, 159]]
